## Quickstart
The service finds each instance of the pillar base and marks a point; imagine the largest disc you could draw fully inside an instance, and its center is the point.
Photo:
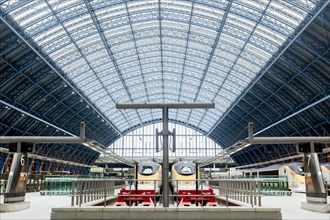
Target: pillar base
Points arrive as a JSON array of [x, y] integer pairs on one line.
[[325, 208], [14, 207]]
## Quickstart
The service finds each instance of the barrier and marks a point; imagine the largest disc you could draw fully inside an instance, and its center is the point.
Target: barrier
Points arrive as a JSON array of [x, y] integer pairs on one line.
[[242, 190], [84, 191], [35, 183]]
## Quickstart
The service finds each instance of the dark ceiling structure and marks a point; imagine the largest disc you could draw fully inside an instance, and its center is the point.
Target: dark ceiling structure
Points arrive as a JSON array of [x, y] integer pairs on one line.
[[63, 62]]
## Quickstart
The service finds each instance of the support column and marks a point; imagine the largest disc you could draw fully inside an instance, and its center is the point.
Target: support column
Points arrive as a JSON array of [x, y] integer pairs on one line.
[[165, 179], [16, 185], [315, 191]]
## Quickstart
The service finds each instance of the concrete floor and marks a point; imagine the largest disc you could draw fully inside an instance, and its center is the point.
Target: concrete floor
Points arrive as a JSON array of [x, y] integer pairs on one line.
[[41, 207], [291, 207]]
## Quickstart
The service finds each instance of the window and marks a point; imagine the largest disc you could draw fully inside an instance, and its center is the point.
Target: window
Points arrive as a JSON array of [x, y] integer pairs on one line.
[[142, 143], [186, 170], [147, 170]]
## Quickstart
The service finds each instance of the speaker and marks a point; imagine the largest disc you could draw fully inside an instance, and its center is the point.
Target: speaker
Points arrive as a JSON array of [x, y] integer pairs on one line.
[[318, 148], [304, 148], [27, 147], [12, 147]]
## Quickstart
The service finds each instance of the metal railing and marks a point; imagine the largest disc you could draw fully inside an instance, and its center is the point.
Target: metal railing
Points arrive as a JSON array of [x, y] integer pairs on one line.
[[85, 191], [246, 191], [100, 191], [200, 187], [34, 183], [61, 184], [3, 184], [270, 185]]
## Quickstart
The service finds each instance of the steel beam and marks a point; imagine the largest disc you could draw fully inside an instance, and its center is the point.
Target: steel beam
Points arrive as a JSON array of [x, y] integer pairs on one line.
[[299, 156], [56, 71], [93, 145], [294, 114], [42, 158], [267, 68], [47, 139], [285, 140], [163, 105], [242, 144]]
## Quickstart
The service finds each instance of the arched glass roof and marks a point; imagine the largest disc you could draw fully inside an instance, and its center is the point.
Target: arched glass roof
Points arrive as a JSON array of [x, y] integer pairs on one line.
[[159, 51]]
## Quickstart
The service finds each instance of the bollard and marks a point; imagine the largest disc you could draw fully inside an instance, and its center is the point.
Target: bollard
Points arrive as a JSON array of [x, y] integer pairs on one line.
[[235, 195], [251, 195], [226, 193], [240, 191], [80, 194], [72, 194], [177, 193], [89, 191], [259, 193], [105, 194], [77, 193], [94, 191], [130, 194], [85, 191], [243, 190], [255, 192], [202, 192]]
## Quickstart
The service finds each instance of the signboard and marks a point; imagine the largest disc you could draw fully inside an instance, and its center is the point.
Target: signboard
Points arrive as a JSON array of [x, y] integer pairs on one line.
[[97, 170]]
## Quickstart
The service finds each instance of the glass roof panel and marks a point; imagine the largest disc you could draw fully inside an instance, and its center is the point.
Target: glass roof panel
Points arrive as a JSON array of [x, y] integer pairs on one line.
[[156, 51]]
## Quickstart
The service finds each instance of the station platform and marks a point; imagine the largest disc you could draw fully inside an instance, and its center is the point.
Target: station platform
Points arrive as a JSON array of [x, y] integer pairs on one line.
[[41, 207]]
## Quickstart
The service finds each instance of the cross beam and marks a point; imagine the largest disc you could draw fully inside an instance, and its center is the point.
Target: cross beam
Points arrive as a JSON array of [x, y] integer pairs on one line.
[[91, 144], [244, 143], [281, 140], [163, 105], [164, 133], [47, 139]]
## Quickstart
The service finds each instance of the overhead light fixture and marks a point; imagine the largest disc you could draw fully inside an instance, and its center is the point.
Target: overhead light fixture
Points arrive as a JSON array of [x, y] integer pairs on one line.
[[241, 146]]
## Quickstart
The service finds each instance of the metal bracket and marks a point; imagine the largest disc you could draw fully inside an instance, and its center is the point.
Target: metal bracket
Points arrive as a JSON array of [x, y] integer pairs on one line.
[[166, 133]]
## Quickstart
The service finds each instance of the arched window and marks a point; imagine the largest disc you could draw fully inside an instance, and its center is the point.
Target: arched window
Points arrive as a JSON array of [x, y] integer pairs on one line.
[[189, 143]]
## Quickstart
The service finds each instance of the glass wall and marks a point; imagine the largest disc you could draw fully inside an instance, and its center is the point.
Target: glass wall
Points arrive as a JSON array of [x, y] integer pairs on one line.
[[142, 143]]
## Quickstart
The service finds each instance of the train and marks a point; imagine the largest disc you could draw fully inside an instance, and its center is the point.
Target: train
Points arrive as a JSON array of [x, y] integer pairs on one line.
[[325, 169], [146, 188], [184, 176], [149, 176], [293, 171]]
